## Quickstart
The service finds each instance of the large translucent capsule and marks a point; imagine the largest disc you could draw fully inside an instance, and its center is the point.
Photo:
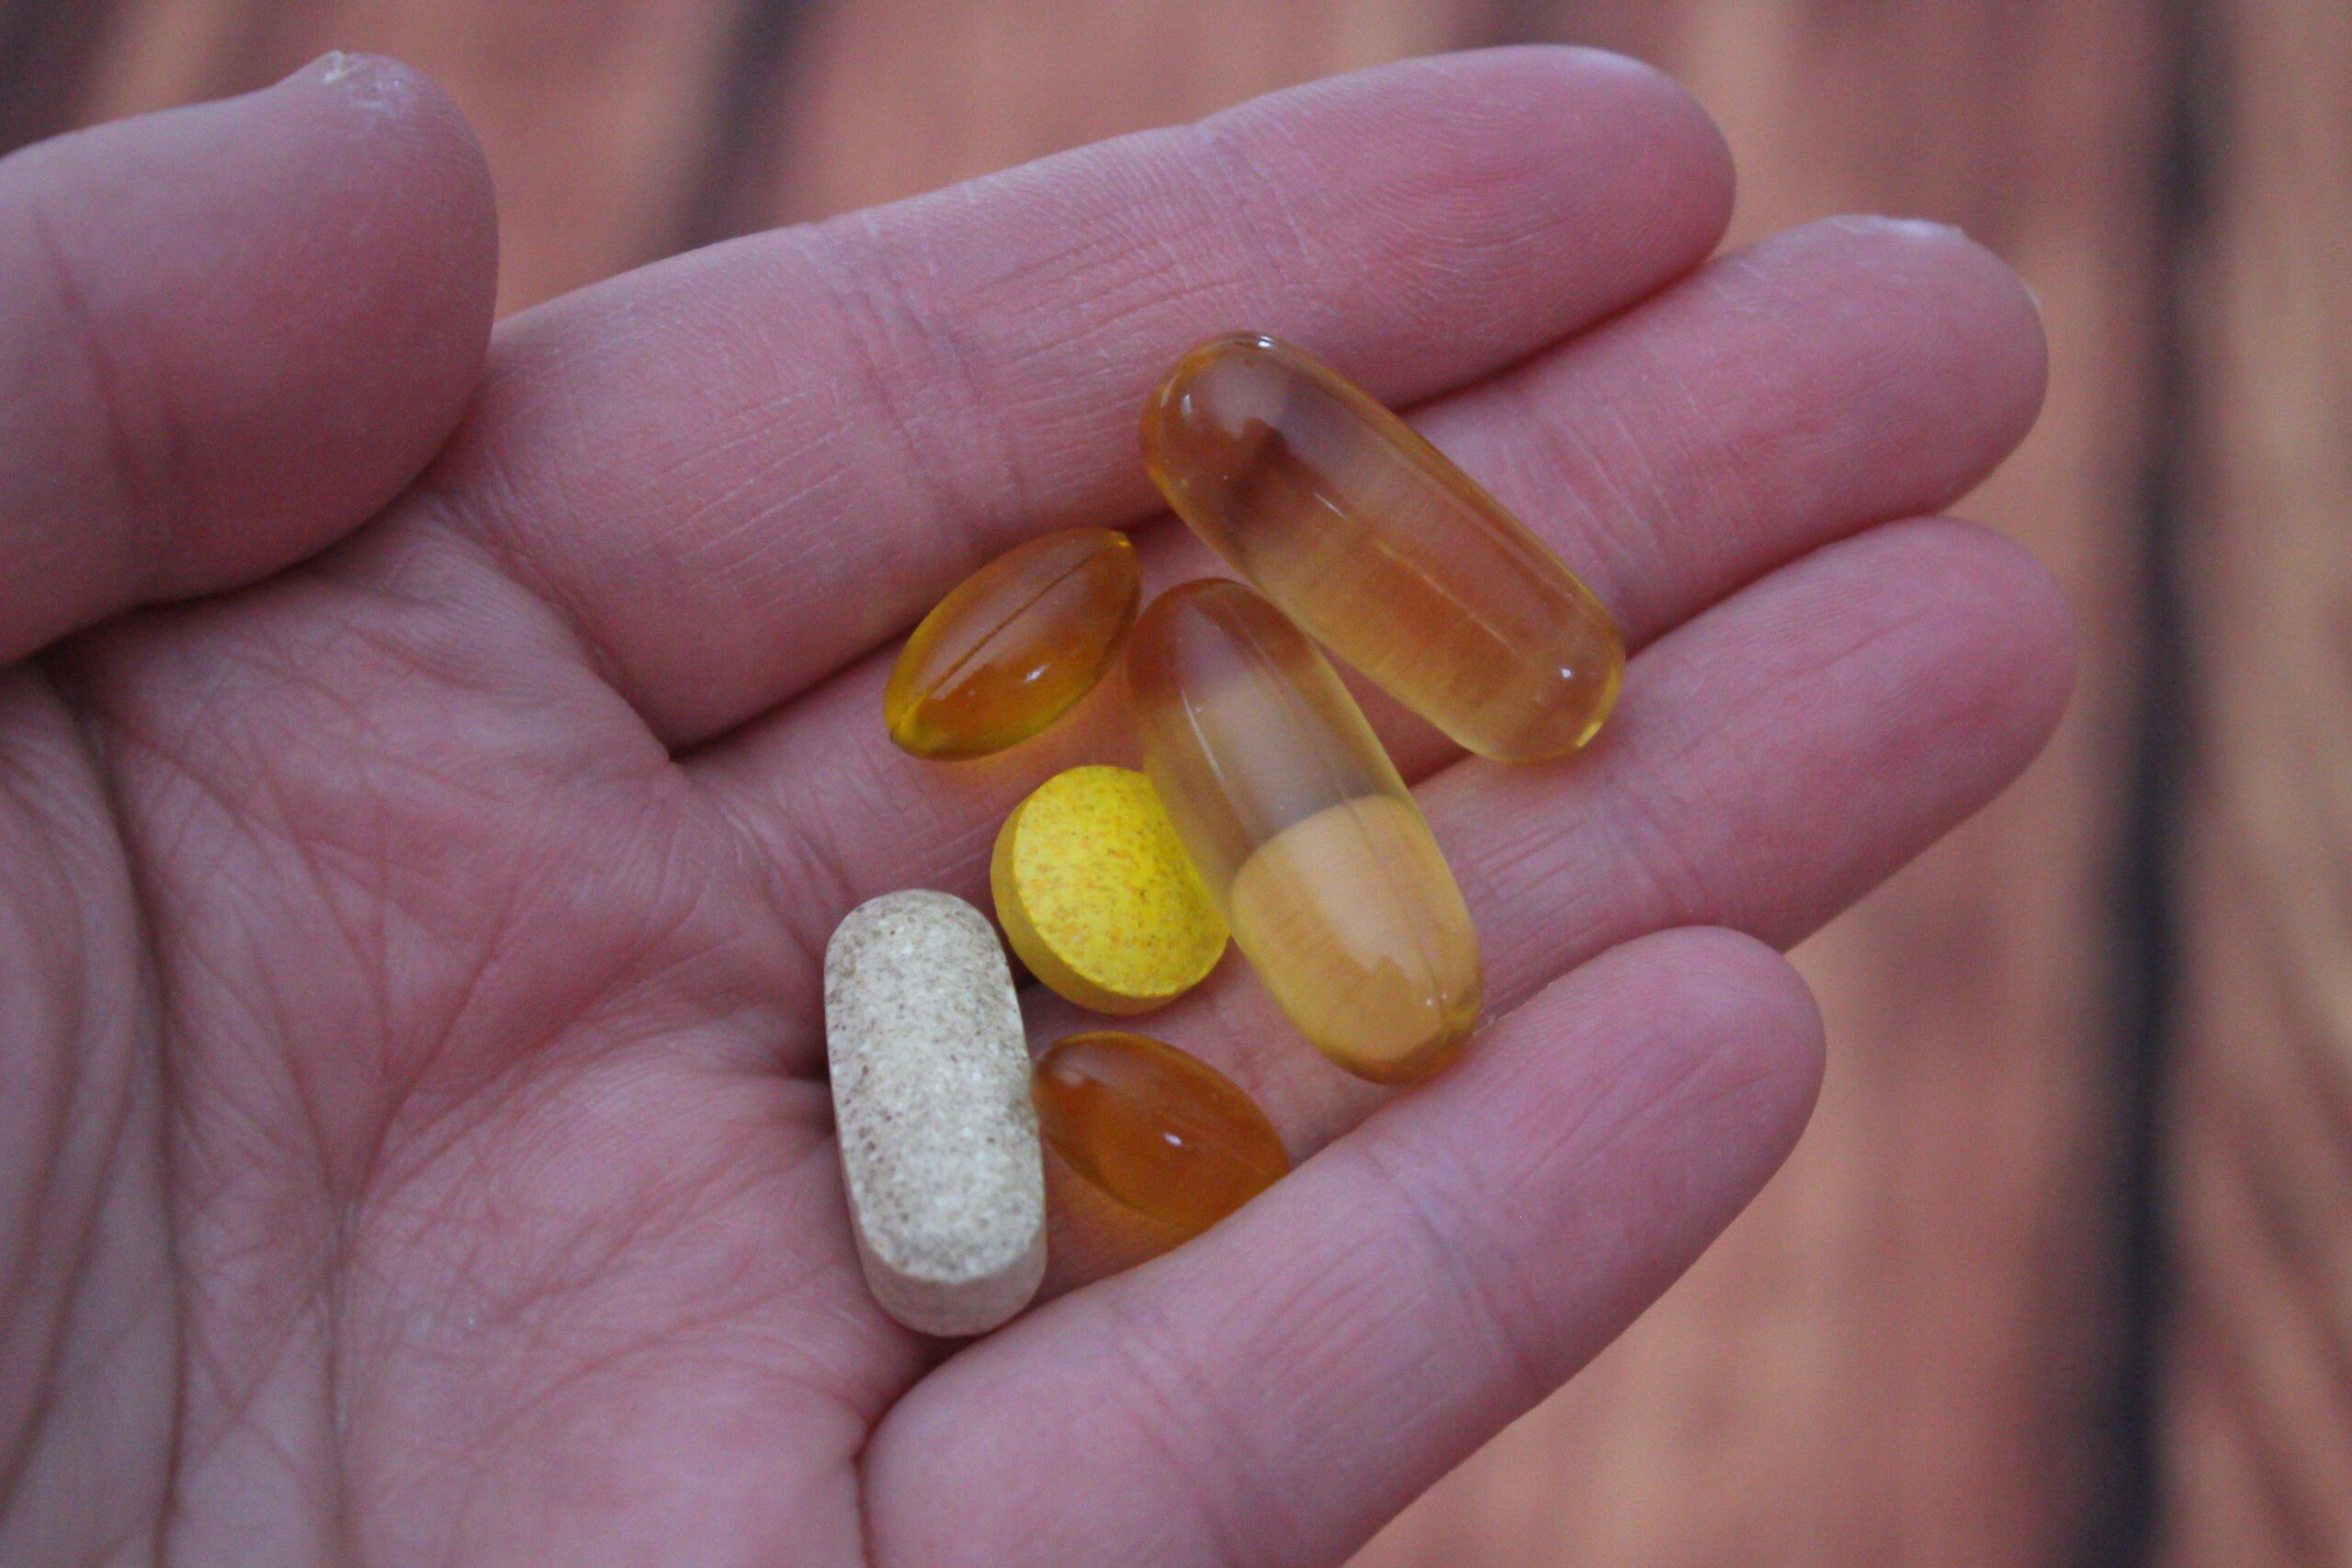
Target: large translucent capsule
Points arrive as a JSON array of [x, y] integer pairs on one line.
[[1308, 840], [1387, 554]]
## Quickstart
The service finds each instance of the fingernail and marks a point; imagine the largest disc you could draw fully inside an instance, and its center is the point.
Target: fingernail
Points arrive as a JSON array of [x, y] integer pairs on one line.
[[369, 82], [332, 66], [1909, 228]]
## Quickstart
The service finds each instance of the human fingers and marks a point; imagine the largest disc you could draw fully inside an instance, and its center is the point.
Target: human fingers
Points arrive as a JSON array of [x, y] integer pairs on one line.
[[1275, 1392], [1781, 398], [736, 470], [230, 332], [1771, 761]]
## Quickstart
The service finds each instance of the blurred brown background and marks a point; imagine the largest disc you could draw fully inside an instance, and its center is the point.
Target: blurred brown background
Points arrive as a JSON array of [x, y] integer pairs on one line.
[[2061, 1273]]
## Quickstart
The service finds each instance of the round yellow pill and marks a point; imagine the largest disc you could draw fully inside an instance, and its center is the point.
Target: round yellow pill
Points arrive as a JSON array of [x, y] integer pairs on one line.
[[1097, 896]]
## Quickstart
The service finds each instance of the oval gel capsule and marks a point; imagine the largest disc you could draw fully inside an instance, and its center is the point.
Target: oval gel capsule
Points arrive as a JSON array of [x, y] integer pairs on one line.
[[1303, 832], [1014, 646], [1381, 548], [1156, 1128]]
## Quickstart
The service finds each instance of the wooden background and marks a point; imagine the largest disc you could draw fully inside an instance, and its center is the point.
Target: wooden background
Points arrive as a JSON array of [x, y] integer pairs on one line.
[[2061, 1273]]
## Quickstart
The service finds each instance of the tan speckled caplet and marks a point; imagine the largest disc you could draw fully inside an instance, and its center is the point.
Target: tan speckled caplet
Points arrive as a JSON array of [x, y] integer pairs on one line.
[[931, 1103]]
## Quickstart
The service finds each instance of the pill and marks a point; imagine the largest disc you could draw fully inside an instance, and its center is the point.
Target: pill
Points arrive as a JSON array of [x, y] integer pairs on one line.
[[1305, 837], [1014, 646], [1381, 549], [1097, 896], [1157, 1128], [938, 1133]]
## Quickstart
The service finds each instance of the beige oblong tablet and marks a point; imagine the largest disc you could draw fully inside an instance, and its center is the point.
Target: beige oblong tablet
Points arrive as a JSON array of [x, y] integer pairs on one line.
[[931, 1103]]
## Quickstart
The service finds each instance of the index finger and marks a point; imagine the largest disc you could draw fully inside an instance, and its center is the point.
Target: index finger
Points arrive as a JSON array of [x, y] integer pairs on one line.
[[738, 471]]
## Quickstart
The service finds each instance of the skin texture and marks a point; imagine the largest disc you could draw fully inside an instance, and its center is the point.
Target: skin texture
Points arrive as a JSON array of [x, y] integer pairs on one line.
[[421, 818]]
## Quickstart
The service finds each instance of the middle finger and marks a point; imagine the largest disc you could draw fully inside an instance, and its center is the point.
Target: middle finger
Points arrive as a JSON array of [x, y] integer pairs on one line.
[[1782, 397]]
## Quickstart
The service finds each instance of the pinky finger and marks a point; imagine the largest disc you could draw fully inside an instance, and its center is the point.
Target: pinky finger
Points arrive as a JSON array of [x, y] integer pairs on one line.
[[1276, 1390]]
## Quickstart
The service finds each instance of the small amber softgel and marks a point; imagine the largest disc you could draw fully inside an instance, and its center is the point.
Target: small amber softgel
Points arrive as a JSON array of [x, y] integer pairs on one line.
[[1157, 1129], [1014, 646], [1387, 553]]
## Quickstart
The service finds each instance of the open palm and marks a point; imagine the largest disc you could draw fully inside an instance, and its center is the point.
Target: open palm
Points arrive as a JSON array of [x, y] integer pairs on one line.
[[430, 774]]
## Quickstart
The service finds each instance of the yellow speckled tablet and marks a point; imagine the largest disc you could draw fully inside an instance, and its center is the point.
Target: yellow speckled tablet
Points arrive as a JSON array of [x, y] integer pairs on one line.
[[1097, 896]]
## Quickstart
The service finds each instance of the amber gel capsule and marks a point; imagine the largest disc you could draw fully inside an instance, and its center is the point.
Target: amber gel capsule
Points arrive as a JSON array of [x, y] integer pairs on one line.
[[1157, 1128], [1014, 646], [1387, 554], [1302, 830]]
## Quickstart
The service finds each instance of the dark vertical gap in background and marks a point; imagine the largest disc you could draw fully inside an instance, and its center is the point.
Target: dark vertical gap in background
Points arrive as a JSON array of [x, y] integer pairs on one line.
[[2124, 1525], [732, 189], [268, 43], [1639, 28], [1512, 21], [48, 50]]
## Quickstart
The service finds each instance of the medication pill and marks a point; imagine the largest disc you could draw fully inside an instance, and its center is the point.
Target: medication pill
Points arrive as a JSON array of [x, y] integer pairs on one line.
[[931, 1103], [1097, 896], [1381, 548], [1158, 1129], [1306, 838], [1014, 646]]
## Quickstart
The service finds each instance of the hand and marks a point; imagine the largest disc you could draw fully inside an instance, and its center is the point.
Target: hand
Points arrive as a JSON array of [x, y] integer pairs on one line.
[[415, 1148]]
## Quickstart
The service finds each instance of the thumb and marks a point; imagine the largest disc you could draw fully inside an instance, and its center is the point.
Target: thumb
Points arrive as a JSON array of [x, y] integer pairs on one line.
[[231, 332]]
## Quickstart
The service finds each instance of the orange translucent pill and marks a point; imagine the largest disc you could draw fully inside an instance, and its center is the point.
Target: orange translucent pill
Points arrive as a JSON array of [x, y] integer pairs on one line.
[[1303, 832], [1159, 1130], [1014, 646], [1387, 554]]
